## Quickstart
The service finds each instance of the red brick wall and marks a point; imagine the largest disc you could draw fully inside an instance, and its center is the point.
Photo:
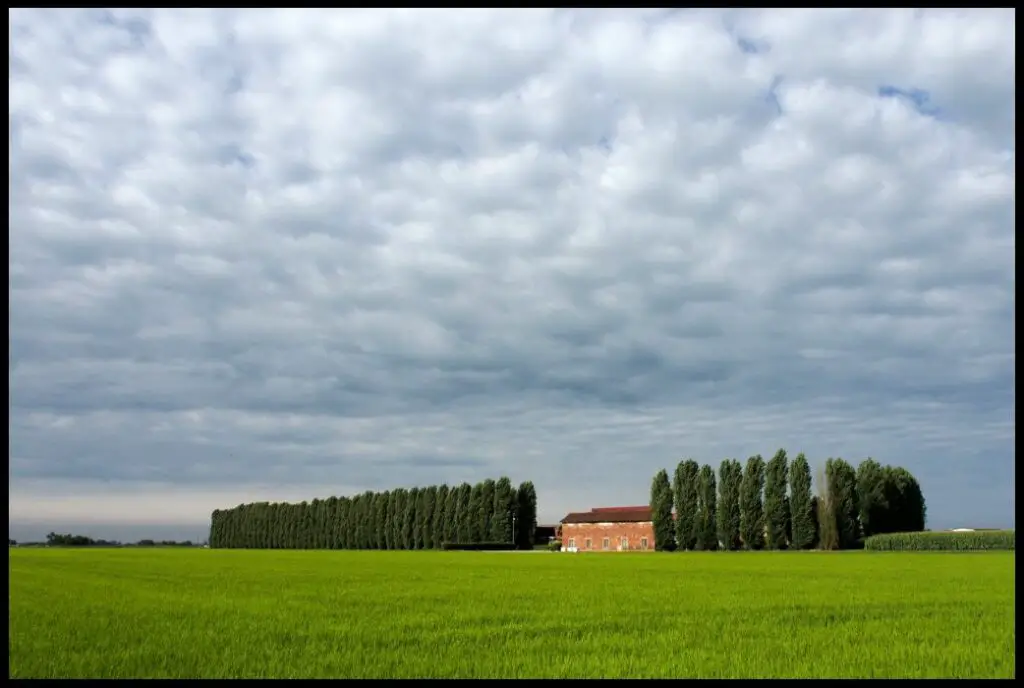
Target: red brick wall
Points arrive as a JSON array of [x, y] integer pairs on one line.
[[597, 532]]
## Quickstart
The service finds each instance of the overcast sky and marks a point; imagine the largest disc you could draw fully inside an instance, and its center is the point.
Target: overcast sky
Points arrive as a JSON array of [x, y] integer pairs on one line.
[[275, 255]]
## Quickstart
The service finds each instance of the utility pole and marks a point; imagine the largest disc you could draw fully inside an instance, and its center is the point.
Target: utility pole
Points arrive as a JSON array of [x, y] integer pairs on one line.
[[513, 528]]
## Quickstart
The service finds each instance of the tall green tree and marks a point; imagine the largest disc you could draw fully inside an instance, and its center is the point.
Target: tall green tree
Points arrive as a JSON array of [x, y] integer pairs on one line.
[[801, 510], [817, 524], [842, 484], [661, 512], [450, 520], [828, 528], [486, 514], [463, 522], [776, 475], [907, 512], [687, 497], [427, 517], [438, 527], [525, 524], [707, 510], [409, 518], [504, 510], [380, 504], [730, 475], [872, 504], [398, 537], [475, 513], [751, 504]]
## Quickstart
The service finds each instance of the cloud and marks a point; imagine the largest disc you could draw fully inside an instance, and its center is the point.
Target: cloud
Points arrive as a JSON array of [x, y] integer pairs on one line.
[[302, 253]]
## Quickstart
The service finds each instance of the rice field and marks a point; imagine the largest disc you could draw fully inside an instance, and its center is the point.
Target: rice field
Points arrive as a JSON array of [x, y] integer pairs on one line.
[[290, 614]]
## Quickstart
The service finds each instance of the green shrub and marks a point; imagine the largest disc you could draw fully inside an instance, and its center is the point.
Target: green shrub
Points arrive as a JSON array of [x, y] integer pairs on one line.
[[479, 546], [555, 546], [976, 541]]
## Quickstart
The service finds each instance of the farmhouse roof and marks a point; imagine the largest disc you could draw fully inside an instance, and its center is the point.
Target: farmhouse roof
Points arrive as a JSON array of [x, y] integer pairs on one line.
[[611, 515]]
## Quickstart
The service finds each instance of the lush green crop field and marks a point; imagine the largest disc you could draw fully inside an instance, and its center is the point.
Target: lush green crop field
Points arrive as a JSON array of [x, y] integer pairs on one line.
[[207, 613]]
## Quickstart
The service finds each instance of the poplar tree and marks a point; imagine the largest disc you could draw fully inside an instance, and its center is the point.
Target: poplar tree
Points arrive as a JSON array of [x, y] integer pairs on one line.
[[730, 475], [486, 514], [504, 511], [427, 517], [526, 515], [438, 520], [751, 504], [474, 513], [687, 521], [801, 510], [872, 504], [775, 511], [661, 512], [842, 483], [707, 507]]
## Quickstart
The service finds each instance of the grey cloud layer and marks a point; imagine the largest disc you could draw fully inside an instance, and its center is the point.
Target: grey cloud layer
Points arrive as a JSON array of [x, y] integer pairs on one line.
[[359, 248]]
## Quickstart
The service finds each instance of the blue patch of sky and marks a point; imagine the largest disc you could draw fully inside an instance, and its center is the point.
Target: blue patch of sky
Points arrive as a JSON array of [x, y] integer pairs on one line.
[[772, 96], [137, 30], [919, 98], [231, 153]]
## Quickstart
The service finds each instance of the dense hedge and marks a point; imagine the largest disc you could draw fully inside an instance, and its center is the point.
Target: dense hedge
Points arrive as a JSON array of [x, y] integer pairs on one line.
[[479, 546], [976, 541]]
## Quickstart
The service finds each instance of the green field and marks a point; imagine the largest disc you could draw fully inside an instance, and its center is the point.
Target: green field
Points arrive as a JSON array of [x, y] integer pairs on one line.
[[230, 613]]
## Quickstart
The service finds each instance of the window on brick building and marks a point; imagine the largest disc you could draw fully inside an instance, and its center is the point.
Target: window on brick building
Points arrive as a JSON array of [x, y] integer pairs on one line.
[[624, 543], [572, 542], [586, 544], [643, 543], [606, 543]]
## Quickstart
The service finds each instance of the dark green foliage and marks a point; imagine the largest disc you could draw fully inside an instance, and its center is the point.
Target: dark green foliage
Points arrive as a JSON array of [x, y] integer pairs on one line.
[[730, 475], [817, 526], [661, 512], [707, 510], [776, 475], [828, 529], [789, 521], [397, 519], [525, 522], [751, 504], [872, 504], [686, 494], [480, 547], [504, 511], [982, 540], [409, 519], [842, 492], [486, 516], [907, 512], [475, 514], [450, 510], [427, 516], [437, 525], [801, 510], [463, 526]]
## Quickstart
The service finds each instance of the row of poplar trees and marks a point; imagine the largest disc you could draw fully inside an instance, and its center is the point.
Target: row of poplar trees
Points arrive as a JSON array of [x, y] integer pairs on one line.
[[492, 511], [770, 505]]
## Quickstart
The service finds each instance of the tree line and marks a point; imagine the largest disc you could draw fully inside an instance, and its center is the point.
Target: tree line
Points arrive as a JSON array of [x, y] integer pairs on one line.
[[771, 505], [72, 540], [492, 511]]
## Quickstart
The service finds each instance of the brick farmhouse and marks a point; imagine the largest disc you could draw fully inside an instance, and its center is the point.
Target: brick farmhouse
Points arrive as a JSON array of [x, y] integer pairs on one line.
[[609, 529]]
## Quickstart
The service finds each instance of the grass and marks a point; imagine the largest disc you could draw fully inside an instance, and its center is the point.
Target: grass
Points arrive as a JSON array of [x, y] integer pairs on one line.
[[212, 614]]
